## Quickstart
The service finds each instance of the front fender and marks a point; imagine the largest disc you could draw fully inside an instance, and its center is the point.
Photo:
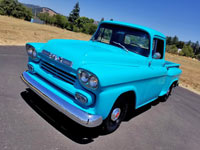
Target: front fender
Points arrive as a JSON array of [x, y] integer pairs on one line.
[[108, 96], [38, 46]]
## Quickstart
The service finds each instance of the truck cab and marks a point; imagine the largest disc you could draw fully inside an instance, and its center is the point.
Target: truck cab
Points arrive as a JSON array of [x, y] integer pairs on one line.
[[96, 82]]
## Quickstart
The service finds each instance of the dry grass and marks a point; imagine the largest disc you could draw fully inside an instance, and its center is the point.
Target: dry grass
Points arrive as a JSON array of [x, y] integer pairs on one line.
[[190, 77], [18, 32]]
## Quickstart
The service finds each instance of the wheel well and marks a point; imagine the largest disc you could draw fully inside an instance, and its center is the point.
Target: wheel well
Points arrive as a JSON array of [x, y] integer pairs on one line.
[[174, 84], [130, 98]]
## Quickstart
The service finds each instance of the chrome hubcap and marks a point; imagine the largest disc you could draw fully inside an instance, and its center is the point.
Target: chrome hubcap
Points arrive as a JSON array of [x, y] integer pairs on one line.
[[168, 92], [115, 114]]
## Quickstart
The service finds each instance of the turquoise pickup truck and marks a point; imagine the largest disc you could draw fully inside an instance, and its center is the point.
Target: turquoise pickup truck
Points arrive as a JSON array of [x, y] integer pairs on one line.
[[98, 82]]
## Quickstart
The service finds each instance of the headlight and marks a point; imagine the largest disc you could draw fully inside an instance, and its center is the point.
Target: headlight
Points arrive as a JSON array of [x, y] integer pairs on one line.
[[84, 76], [31, 51], [88, 79], [93, 82], [34, 54]]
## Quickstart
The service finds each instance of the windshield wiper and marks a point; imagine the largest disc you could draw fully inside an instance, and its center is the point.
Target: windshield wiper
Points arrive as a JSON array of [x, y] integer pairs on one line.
[[122, 46]]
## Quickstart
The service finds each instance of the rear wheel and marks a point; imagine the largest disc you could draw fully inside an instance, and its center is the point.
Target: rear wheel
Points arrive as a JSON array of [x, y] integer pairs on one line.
[[166, 96], [116, 116]]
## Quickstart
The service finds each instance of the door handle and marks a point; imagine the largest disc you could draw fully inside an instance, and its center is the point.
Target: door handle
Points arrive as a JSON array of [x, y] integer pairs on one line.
[[164, 64], [149, 64]]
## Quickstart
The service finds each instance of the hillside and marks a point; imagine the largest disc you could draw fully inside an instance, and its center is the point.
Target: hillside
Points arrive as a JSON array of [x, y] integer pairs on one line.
[[18, 32], [37, 9]]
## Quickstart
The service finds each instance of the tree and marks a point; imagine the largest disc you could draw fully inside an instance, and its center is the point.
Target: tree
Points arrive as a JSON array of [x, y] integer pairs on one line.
[[180, 44], [187, 51], [192, 45], [89, 28], [15, 9], [58, 20], [61, 21], [1, 8], [81, 21], [169, 40], [198, 56], [189, 43], [175, 40], [52, 20], [45, 17], [111, 19], [7, 6], [198, 51], [74, 15], [196, 48]]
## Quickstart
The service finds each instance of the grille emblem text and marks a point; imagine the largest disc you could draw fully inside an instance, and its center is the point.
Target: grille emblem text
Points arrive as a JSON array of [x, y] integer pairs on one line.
[[57, 58]]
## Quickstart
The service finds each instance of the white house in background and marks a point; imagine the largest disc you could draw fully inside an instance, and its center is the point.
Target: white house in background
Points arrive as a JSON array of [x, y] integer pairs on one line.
[[179, 50]]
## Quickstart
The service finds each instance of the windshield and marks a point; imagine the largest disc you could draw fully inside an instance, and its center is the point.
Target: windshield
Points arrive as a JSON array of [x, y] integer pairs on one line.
[[127, 38]]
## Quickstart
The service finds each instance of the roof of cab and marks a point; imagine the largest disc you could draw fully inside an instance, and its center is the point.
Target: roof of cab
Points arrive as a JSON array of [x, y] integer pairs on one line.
[[149, 30]]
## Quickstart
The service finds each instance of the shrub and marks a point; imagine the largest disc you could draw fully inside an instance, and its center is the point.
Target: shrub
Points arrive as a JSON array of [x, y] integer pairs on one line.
[[172, 49], [61, 21], [89, 28], [198, 56], [187, 51], [15, 9], [81, 21], [75, 29]]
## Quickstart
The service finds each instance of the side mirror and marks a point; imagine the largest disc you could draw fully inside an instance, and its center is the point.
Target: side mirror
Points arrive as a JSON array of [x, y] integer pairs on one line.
[[157, 55]]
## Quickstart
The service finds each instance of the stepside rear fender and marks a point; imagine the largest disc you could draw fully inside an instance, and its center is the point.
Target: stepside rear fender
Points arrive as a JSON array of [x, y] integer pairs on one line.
[[173, 75]]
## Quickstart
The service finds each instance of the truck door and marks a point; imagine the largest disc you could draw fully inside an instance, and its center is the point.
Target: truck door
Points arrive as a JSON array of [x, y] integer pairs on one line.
[[157, 68]]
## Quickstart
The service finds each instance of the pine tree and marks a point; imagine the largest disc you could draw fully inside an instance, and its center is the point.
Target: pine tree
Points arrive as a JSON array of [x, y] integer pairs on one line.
[[102, 19], [196, 47], [189, 43], [74, 15], [175, 40], [169, 40]]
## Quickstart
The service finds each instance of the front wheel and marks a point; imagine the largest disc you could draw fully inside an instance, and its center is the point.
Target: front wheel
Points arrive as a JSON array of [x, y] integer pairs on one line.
[[116, 116]]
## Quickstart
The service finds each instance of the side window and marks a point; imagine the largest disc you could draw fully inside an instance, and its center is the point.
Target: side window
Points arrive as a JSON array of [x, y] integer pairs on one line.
[[100, 34], [105, 35], [158, 47]]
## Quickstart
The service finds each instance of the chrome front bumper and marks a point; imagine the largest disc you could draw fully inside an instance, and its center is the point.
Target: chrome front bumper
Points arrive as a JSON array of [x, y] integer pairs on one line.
[[79, 116]]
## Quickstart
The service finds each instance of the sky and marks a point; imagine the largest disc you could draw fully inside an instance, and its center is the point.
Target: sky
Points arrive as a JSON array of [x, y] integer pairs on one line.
[[171, 17]]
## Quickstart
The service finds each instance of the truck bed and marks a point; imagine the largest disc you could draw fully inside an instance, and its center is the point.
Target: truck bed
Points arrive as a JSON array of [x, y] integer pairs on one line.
[[170, 64]]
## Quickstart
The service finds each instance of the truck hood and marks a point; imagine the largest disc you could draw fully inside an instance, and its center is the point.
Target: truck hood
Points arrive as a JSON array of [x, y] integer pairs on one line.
[[82, 53]]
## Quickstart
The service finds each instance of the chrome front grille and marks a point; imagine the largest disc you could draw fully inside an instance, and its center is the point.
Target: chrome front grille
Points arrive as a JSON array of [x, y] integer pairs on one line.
[[63, 75]]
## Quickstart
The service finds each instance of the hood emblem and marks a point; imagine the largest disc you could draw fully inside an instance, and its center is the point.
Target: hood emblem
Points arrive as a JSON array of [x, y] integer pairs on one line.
[[57, 58]]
